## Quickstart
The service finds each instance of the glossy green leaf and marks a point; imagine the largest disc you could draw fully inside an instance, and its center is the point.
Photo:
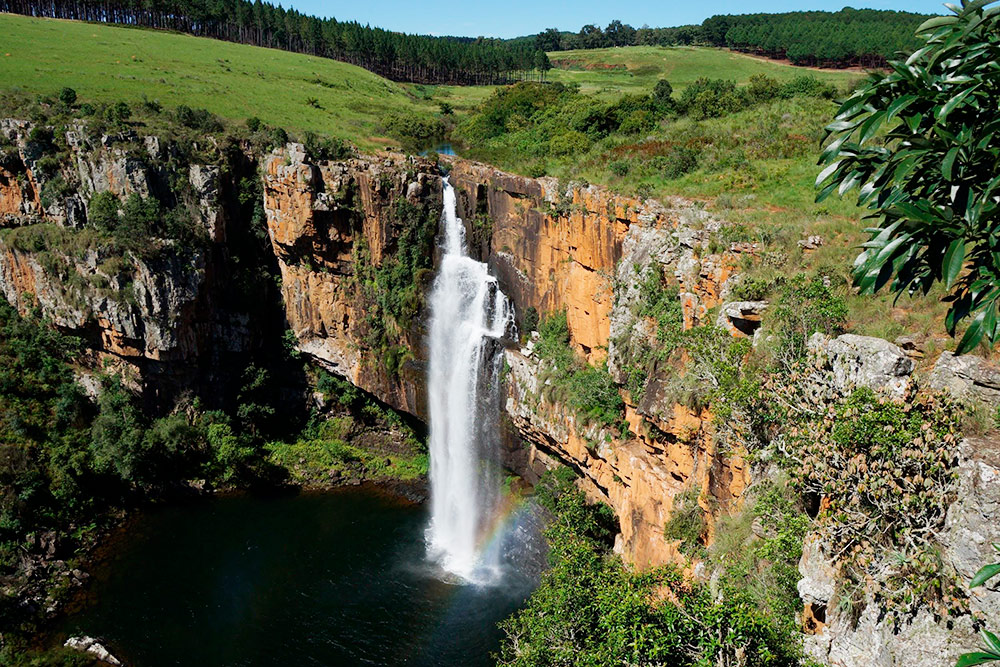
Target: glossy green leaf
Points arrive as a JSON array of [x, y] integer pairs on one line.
[[948, 164], [985, 573], [977, 658], [973, 336], [954, 259]]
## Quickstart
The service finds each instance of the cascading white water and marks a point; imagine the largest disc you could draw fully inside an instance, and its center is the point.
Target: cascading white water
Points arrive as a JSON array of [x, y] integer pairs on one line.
[[469, 314]]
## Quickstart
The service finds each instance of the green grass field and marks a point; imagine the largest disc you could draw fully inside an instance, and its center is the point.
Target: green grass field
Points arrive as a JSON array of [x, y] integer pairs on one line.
[[636, 69], [108, 63]]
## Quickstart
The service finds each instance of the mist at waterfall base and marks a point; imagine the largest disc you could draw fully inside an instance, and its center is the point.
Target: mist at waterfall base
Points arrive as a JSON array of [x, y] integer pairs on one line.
[[327, 579], [468, 316]]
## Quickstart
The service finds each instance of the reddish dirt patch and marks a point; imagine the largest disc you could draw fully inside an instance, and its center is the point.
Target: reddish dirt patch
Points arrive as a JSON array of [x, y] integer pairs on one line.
[[573, 63]]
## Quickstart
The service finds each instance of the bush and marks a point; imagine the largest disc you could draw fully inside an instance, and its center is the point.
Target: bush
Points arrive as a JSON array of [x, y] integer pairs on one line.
[[326, 148], [415, 131], [662, 95], [807, 85], [710, 98], [198, 119], [687, 522], [619, 167], [530, 320], [762, 88], [678, 161], [117, 444], [589, 391], [102, 211], [591, 610], [568, 143], [806, 306], [67, 96]]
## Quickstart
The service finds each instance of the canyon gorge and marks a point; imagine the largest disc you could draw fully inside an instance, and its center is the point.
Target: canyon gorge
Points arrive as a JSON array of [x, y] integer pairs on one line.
[[173, 323]]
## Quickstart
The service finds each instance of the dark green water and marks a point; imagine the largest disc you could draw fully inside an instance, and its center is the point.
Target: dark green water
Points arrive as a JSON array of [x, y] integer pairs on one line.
[[332, 579]]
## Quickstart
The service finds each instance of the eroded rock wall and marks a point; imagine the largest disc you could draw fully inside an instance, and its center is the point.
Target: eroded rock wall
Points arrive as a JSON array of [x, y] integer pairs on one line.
[[327, 222], [162, 316], [584, 250]]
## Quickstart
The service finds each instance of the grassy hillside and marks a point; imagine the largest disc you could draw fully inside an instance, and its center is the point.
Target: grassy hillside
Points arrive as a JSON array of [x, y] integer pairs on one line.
[[108, 63], [111, 63], [636, 69]]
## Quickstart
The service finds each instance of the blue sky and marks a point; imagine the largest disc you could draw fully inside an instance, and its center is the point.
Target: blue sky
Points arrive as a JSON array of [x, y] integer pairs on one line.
[[510, 18]]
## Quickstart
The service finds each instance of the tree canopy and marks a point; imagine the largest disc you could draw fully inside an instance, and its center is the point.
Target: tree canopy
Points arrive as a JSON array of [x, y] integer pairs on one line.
[[864, 37], [922, 144]]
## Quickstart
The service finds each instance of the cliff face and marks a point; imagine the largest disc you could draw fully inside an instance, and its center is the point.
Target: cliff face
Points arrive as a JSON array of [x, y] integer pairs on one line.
[[582, 249], [329, 223], [163, 315], [554, 248]]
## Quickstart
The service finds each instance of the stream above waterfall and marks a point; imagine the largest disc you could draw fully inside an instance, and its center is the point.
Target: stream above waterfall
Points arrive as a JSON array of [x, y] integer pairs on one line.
[[326, 579]]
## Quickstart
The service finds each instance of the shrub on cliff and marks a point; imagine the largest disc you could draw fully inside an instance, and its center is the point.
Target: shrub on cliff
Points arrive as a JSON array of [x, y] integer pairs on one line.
[[591, 610], [588, 390], [415, 131], [325, 148]]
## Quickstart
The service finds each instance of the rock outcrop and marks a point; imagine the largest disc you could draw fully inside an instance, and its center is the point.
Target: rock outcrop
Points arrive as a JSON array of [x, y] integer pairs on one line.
[[833, 636], [851, 361], [327, 222], [163, 314], [967, 377]]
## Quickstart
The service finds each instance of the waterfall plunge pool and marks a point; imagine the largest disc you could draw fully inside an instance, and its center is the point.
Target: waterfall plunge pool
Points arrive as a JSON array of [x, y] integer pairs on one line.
[[323, 579]]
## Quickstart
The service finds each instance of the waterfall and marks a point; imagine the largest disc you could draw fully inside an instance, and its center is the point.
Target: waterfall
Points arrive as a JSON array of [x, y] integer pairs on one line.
[[469, 314]]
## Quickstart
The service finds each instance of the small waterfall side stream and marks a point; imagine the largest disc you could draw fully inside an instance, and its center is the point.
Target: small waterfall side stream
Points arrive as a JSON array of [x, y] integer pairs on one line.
[[469, 314]]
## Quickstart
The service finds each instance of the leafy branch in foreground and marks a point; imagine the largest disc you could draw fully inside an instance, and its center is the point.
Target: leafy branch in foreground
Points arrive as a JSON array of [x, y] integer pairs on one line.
[[922, 144], [992, 652]]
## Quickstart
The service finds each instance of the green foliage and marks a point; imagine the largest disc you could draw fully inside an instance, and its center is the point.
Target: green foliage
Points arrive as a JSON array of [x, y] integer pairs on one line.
[[394, 289], [752, 288], [364, 440], [67, 96], [530, 320], [529, 122], [117, 444], [687, 522], [136, 222], [414, 130], [992, 652], [663, 95], [588, 390], [757, 552], [806, 306], [591, 610], [20, 656], [886, 470], [198, 119], [926, 165], [326, 148], [830, 39]]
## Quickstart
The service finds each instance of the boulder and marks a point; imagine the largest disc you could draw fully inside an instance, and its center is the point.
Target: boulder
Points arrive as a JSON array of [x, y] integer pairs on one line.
[[971, 526], [852, 361], [967, 377], [94, 647], [741, 318]]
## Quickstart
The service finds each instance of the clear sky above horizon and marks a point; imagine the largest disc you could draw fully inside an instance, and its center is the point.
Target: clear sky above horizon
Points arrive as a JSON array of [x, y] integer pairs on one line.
[[511, 18]]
